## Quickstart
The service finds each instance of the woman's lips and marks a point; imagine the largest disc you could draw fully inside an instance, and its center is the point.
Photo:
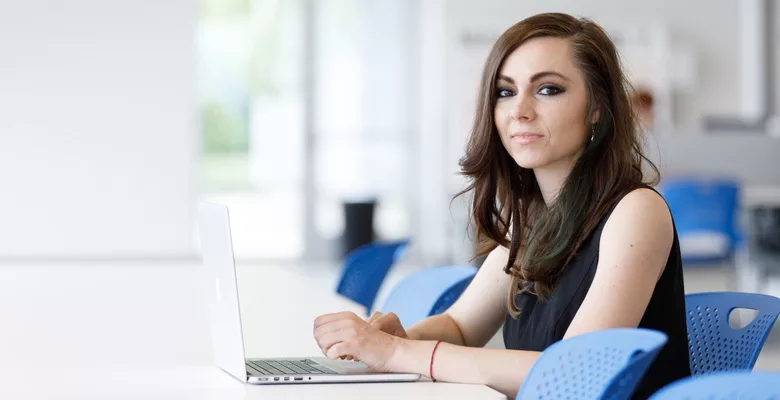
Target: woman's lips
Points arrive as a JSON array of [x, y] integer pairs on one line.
[[525, 137]]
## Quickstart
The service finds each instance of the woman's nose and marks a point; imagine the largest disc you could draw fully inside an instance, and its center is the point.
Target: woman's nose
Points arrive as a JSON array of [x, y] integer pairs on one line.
[[522, 109]]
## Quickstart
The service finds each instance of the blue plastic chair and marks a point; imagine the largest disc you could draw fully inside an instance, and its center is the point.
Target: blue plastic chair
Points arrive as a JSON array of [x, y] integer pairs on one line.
[[713, 345], [605, 364], [723, 386], [704, 206], [428, 292], [365, 268]]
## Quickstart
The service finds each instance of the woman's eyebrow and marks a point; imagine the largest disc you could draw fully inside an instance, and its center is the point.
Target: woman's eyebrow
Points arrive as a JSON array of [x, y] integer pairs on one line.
[[545, 74], [535, 77], [506, 79]]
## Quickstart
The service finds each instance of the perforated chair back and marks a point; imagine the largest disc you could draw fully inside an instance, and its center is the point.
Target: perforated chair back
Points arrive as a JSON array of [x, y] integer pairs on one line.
[[713, 345], [366, 268], [428, 292], [604, 364]]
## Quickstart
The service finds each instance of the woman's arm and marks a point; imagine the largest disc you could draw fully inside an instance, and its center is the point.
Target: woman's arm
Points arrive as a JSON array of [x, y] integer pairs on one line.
[[502, 370], [477, 314], [633, 251]]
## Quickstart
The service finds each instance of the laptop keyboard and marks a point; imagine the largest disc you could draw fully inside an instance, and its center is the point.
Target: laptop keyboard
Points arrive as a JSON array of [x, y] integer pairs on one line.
[[289, 367]]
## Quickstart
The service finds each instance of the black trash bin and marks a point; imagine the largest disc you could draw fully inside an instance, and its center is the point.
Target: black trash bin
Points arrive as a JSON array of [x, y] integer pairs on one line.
[[358, 224], [766, 228]]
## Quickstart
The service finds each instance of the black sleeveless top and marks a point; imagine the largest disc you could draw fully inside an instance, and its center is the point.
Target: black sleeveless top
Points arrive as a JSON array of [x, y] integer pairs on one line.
[[542, 323]]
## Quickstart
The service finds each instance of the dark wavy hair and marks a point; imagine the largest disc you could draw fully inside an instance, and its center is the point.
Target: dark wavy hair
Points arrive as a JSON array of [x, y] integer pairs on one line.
[[508, 208]]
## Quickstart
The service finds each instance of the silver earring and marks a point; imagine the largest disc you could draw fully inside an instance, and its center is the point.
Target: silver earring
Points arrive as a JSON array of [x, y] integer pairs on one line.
[[592, 132]]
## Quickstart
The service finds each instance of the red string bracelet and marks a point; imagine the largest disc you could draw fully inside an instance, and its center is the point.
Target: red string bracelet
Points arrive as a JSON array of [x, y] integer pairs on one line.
[[430, 371]]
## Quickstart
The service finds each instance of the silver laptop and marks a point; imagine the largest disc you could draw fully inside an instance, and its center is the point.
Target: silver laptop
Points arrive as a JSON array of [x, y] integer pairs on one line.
[[225, 320]]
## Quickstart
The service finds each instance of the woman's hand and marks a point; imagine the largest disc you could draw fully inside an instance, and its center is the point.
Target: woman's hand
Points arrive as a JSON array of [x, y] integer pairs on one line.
[[345, 335], [388, 323]]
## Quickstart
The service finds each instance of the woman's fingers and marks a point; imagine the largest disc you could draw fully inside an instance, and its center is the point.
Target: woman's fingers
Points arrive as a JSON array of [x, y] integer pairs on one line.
[[374, 316], [327, 318], [390, 323], [333, 326], [333, 330], [385, 320], [341, 349], [329, 339]]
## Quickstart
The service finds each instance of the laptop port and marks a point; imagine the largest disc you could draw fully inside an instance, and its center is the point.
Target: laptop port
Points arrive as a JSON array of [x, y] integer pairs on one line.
[[276, 378], [298, 378], [287, 378]]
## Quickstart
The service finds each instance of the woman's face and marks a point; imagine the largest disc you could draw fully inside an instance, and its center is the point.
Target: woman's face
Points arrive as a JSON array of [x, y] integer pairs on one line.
[[542, 104]]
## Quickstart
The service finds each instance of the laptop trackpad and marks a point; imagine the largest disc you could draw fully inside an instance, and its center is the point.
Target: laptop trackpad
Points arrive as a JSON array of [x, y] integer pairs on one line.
[[346, 367]]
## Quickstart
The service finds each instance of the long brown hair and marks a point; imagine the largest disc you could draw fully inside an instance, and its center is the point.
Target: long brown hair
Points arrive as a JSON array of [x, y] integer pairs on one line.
[[508, 208]]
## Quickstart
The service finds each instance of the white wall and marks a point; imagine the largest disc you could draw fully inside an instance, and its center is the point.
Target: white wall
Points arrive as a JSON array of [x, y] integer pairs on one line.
[[432, 222], [98, 128], [775, 27], [754, 159]]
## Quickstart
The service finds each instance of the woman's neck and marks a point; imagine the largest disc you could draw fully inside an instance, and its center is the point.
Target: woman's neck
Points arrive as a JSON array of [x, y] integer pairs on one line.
[[552, 177]]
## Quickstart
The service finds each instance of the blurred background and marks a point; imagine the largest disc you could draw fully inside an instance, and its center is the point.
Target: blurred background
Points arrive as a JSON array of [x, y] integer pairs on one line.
[[117, 118], [327, 124]]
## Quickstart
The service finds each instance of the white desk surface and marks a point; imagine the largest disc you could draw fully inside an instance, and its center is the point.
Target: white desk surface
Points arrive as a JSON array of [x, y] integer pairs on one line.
[[135, 330], [158, 383]]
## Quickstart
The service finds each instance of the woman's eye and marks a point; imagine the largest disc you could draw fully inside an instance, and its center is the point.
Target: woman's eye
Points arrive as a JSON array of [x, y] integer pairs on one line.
[[505, 93], [550, 90]]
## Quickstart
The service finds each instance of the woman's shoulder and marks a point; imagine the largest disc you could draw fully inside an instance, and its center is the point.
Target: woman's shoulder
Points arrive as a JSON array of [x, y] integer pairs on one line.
[[643, 199], [637, 200], [641, 211]]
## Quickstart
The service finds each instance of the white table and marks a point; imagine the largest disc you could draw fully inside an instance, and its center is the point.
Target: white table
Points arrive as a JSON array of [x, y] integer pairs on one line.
[[97, 331], [153, 383]]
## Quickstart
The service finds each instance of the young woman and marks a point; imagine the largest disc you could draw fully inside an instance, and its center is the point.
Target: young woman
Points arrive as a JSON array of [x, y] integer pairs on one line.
[[576, 239]]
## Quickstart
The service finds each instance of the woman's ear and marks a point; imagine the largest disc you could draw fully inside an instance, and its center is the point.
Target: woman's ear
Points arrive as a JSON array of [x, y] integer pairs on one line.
[[596, 115]]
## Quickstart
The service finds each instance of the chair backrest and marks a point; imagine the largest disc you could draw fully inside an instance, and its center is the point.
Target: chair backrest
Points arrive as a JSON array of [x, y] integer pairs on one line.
[[704, 209], [365, 269], [740, 385], [595, 365], [428, 292], [713, 345]]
